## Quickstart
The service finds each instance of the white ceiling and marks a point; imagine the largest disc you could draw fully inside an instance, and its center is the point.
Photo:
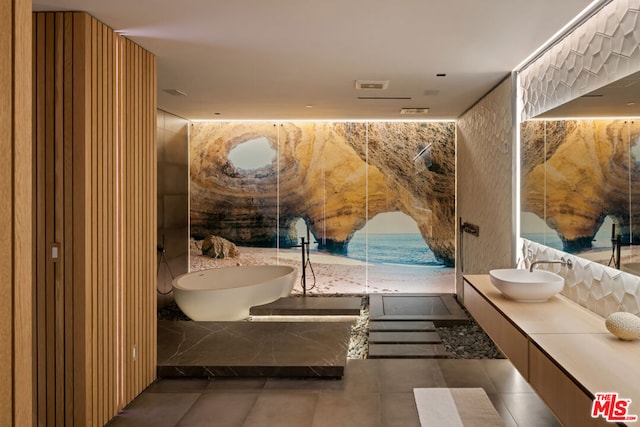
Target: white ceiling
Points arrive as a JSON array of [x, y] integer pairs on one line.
[[269, 59]]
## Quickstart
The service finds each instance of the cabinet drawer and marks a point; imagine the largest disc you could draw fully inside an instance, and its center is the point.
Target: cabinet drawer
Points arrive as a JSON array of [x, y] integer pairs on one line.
[[507, 337], [567, 401]]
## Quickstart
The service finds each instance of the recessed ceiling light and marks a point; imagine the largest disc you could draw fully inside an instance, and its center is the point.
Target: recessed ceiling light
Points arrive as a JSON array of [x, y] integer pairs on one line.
[[414, 110], [175, 92], [308, 106], [631, 103]]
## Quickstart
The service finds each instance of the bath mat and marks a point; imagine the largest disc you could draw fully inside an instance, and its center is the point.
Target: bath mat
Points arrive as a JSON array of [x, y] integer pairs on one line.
[[455, 407]]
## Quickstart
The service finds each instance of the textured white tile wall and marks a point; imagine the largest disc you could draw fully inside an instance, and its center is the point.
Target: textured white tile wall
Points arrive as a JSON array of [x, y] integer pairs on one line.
[[601, 289], [484, 188], [602, 50]]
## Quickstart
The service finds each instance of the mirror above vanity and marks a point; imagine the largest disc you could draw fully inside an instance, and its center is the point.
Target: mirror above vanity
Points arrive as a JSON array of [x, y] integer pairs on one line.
[[580, 176]]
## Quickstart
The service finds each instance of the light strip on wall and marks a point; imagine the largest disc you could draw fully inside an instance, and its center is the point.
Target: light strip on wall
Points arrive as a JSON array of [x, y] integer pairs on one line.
[[366, 208], [562, 119], [585, 14], [281, 120], [518, 166]]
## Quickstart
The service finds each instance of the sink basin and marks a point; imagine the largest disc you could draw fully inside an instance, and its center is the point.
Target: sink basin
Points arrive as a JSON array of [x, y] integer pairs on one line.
[[525, 285]]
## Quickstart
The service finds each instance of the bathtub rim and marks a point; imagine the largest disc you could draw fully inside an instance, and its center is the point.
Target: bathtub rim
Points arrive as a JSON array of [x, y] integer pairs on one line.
[[175, 285]]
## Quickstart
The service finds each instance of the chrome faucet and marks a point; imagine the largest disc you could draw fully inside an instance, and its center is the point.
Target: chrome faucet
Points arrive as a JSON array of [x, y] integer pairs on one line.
[[565, 263]]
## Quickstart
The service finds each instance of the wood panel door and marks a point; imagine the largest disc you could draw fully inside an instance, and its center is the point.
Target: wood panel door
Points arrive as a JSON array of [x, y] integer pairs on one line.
[[95, 196]]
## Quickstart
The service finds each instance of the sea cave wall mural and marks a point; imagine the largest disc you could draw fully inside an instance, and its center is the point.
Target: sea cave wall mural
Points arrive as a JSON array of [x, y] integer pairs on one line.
[[370, 195], [580, 183]]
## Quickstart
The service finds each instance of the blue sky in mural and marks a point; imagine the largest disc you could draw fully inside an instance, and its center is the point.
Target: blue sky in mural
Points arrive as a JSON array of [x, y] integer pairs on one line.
[[384, 223], [252, 154]]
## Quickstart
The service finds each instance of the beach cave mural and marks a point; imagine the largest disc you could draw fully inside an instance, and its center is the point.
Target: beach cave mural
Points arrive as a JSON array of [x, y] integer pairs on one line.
[[579, 185], [334, 176]]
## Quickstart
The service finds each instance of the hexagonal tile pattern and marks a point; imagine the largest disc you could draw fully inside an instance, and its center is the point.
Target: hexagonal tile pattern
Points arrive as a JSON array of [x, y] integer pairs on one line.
[[597, 287], [600, 51]]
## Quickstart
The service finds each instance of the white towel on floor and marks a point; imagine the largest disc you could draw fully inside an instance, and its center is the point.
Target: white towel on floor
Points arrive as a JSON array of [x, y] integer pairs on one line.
[[455, 407]]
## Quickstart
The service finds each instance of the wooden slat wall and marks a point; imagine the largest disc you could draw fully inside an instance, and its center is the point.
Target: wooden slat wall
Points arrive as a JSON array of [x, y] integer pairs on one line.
[[95, 125], [138, 202], [16, 215]]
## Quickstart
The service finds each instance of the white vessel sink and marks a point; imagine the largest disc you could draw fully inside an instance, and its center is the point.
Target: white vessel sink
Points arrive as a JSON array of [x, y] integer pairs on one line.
[[525, 285]]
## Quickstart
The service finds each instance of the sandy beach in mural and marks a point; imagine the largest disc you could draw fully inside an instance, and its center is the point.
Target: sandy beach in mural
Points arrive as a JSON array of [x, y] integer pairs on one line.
[[340, 275]]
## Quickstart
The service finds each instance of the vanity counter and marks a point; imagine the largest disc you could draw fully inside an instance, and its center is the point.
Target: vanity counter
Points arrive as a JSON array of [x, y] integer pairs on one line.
[[561, 348]]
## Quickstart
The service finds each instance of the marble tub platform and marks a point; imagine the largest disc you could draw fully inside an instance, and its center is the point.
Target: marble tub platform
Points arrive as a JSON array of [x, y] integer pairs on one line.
[[310, 306], [252, 349]]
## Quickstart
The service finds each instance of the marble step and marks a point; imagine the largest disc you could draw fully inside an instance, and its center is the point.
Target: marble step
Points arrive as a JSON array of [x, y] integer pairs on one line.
[[441, 309], [310, 306], [408, 351], [400, 326], [252, 349], [404, 337]]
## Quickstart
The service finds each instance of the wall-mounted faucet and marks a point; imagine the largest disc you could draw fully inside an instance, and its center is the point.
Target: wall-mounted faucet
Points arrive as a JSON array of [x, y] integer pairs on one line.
[[565, 263]]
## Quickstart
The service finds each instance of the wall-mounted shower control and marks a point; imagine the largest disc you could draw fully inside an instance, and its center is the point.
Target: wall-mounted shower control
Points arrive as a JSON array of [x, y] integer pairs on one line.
[[472, 229]]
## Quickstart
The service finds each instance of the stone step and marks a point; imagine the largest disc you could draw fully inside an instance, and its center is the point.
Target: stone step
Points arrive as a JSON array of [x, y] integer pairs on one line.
[[408, 351], [404, 337], [400, 326], [441, 309], [310, 306]]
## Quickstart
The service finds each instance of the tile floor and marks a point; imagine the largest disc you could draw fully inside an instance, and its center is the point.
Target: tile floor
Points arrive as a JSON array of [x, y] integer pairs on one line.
[[372, 393]]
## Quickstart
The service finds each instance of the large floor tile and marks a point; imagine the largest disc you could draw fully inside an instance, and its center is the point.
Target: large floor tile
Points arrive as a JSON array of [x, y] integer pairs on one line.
[[178, 385], [505, 377], [498, 403], [402, 376], [398, 410], [529, 410], [347, 410], [466, 373], [244, 384], [155, 410], [220, 409], [283, 408]]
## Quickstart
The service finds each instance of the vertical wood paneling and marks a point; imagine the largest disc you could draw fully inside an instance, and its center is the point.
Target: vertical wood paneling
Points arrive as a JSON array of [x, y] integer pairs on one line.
[[40, 242], [80, 141], [94, 118], [22, 239], [49, 295], [58, 220], [6, 213], [68, 215], [16, 214]]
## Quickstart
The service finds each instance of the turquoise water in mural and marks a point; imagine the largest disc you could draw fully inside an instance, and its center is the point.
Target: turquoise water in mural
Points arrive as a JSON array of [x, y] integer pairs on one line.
[[601, 240], [399, 249]]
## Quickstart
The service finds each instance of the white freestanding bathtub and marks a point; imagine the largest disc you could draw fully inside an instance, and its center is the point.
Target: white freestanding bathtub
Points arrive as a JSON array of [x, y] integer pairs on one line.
[[228, 293]]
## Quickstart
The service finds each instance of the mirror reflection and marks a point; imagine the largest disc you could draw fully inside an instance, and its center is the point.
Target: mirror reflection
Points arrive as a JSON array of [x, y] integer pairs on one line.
[[580, 176]]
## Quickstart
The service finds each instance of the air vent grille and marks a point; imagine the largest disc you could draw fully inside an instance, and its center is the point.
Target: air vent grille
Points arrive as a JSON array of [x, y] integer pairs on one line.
[[414, 111], [372, 84]]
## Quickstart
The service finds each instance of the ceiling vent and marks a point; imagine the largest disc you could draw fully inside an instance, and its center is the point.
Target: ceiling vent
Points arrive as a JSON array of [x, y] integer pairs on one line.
[[175, 92], [372, 84], [414, 111]]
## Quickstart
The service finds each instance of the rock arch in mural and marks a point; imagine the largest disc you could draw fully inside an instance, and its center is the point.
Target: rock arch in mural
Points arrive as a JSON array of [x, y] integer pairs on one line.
[[332, 175], [576, 173]]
